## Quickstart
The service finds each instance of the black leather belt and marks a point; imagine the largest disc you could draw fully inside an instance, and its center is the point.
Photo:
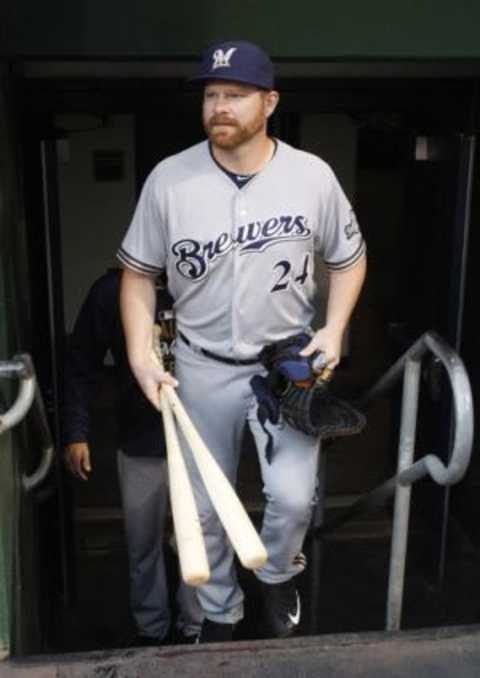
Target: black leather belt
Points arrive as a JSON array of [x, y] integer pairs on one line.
[[220, 358]]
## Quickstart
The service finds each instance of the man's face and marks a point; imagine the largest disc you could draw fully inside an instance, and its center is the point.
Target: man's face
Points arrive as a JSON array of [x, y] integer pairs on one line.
[[234, 113]]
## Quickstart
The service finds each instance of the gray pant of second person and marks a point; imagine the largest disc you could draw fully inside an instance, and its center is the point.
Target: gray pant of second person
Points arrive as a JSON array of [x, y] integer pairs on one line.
[[144, 489]]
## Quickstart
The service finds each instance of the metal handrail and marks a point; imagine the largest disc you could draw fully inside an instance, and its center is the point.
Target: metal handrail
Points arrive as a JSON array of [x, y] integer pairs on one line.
[[430, 464], [20, 369], [29, 395], [463, 410], [408, 368]]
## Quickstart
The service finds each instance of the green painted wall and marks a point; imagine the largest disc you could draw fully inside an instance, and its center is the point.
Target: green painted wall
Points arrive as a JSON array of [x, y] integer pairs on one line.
[[7, 508], [7, 479], [16, 611], [7, 495], [344, 29]]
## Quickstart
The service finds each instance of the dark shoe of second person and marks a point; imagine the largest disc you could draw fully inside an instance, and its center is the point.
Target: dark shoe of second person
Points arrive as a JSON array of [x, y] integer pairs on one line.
[[145, 641], [281, 606], [182, 639], [213, 632]]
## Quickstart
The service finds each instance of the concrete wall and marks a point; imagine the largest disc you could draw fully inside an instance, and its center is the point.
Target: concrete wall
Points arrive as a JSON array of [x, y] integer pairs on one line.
[[93, 214], [334, 138]]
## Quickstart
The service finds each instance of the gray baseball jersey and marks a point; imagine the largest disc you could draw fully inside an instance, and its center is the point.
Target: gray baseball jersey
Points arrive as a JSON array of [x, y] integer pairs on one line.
[[240, 261]]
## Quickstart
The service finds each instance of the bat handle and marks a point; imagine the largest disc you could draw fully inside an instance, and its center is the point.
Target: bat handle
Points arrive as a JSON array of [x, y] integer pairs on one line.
[[324, 373], [325, 376]]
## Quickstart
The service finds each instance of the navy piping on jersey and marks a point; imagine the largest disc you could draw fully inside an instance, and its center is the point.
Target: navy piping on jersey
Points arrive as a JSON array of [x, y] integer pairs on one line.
[[135, 264], [346, 263]]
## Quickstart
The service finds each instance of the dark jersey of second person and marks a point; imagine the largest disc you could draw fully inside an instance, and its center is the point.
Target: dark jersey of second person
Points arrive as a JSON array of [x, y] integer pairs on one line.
[[97, 330]]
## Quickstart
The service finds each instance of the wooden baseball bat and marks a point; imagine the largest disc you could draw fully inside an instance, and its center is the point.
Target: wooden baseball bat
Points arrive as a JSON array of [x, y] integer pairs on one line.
[[190, 543], [238, 526]]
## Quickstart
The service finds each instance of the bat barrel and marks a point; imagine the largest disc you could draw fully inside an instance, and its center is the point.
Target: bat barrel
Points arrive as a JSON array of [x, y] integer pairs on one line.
[[238, 526]]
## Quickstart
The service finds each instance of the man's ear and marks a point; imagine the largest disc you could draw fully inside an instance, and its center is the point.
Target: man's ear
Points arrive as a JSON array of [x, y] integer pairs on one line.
[[271, 101]]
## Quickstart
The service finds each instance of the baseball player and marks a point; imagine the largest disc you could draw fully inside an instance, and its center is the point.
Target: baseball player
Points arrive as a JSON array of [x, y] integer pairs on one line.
[[140, 459], [235, 221]]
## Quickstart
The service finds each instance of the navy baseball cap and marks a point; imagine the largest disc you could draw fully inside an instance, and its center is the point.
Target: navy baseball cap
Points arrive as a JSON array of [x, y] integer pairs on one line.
[[237, 60]]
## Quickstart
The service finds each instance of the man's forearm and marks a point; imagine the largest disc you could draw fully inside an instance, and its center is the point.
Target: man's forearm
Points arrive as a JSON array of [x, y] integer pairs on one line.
[[343, 294], [137, 305]]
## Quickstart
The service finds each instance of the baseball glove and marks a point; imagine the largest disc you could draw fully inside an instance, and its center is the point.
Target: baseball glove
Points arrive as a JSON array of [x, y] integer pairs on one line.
[[317, 412], [292, 389]]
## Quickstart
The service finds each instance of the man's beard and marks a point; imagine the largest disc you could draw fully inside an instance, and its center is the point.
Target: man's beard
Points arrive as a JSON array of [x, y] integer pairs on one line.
[[231, 134]]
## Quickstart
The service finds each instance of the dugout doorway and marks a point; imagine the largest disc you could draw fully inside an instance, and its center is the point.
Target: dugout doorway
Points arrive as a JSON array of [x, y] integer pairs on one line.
[[408, 205]]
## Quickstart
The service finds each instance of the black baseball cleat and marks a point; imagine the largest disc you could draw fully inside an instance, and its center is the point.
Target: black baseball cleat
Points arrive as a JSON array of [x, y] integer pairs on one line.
[[213, 632], [281, 607]]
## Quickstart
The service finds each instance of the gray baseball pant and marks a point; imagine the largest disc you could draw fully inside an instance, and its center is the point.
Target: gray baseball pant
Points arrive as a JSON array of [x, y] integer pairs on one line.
[[220, 402], [144, 489]]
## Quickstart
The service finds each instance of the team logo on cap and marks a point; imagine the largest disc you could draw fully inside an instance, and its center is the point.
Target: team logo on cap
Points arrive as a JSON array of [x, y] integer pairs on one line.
[[221, 59]]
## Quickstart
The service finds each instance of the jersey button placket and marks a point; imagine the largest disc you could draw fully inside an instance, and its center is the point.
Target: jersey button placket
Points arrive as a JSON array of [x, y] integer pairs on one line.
[[240, 214]]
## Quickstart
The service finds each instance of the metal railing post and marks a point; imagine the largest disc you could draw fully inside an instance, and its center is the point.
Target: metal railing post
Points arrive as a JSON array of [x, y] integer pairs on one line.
[[410, 471], [401, 517]]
